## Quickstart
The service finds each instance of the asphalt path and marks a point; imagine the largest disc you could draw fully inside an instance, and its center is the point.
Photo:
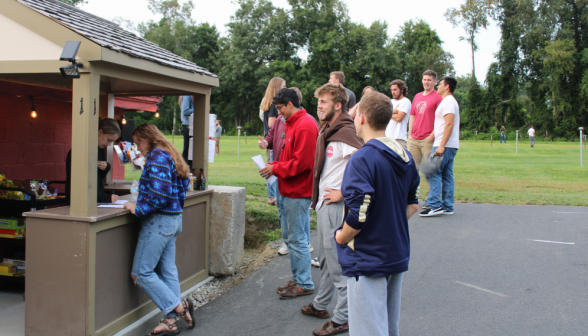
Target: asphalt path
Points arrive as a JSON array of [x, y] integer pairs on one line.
[[486, 270]]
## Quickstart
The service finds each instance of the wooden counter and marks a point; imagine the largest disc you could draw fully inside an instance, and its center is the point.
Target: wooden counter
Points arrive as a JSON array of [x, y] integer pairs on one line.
[[80, 266]]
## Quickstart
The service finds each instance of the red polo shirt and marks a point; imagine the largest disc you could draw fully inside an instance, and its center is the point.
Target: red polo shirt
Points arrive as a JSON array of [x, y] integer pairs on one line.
[[294, 170]]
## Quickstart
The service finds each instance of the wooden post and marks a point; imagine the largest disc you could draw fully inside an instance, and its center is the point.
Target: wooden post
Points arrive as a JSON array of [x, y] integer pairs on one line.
[[491, 136], [476, 135], [84, 144], [200, 139], [110, 148]]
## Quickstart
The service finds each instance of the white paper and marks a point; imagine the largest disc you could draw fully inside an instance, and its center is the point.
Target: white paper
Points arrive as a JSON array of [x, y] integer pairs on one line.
[[190, 149], [211, 125], [261, 164], [118, 204], [211, 145]]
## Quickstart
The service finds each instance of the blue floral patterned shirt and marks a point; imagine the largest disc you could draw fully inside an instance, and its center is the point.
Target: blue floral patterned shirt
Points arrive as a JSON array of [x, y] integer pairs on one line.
[[160, 188]]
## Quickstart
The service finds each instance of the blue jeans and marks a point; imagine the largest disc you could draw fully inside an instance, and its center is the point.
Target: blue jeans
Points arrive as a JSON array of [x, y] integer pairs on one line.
[[502, 136], [155, 261], [283, 221], [297, 218], [441, 183], [271, 188]]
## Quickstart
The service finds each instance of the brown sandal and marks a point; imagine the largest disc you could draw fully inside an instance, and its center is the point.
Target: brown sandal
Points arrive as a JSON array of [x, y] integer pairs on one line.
[[188, 309], [170, 332]]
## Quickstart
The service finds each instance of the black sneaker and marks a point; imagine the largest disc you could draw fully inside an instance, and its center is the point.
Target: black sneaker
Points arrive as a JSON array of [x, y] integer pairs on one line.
[[431, 212], [447, 212]]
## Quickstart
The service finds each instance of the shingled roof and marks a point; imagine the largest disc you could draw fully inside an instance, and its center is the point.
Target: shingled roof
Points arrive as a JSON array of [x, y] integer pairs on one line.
[[109, 35]]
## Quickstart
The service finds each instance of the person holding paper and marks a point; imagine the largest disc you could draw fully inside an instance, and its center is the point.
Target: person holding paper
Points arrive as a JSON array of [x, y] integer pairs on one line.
[[108, 132], [294, 172], [162, 191]]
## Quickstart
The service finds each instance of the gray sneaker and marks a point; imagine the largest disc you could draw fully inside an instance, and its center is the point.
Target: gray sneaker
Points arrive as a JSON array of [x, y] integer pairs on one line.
[[311, 248], [283, 250]]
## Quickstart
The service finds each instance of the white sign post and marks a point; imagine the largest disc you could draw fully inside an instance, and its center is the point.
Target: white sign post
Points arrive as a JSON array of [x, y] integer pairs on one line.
[[239, 142], [581, 150], [517, 142]]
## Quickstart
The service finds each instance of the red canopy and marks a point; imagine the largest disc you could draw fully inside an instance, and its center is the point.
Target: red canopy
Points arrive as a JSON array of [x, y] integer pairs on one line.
[[147, 104]]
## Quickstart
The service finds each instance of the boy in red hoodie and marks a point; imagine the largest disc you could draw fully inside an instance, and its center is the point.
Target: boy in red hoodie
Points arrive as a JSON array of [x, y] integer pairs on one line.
[[294, 173]]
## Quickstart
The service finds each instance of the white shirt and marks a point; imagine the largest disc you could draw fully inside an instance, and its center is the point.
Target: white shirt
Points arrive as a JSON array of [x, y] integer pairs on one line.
[[531, 132], [336, 159], [395, 129], [448, 105]]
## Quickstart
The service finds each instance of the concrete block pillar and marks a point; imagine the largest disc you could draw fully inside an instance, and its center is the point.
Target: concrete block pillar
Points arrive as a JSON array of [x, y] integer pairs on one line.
[[227, 229]]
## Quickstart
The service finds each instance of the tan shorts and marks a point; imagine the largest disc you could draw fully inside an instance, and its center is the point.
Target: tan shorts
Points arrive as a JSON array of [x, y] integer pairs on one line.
[[420, 150]]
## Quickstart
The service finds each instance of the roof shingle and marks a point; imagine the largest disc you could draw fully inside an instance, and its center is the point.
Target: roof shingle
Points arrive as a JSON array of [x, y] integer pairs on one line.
[[109, 35]]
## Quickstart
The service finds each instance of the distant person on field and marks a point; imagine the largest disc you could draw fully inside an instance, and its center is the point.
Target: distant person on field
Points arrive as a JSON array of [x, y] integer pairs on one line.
[[531, 133], [274, 140], [398, 126], [294, 173], [380, 187], [422, 120], [502, 133], [441, 183], [270, 113], [339, 77], [336, 142], [217, 135], [353, 110], [187, 108]]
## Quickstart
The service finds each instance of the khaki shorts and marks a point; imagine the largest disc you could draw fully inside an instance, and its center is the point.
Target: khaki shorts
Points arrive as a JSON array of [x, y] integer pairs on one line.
[[420, 150]]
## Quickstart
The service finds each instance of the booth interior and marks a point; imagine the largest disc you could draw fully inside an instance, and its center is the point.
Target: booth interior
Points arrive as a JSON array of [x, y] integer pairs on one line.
[[70, 257]]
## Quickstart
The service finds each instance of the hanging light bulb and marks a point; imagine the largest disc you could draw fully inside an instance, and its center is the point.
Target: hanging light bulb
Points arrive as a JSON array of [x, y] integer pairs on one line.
[[124, 121], [156, 114], [33, 109]]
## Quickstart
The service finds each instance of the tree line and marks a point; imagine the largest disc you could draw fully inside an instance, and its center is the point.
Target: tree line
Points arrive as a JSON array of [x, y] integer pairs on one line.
[[540, 76]]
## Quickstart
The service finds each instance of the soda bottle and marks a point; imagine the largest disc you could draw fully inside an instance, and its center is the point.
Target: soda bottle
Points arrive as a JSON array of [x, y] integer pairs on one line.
[[201, 181]]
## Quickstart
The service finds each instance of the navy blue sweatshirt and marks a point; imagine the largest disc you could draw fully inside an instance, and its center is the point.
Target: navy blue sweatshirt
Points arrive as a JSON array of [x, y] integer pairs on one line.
[[380, 181]]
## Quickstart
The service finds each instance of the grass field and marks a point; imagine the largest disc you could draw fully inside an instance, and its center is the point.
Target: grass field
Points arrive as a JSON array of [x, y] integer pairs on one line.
[[548, 174]]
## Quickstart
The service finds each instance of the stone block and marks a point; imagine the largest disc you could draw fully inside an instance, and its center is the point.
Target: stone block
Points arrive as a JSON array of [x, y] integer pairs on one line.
[[227, 229]]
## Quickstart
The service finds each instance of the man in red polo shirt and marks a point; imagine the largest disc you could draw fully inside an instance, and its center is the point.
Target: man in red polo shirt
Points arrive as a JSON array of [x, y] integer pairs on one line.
[[294, 173], [422, 119]]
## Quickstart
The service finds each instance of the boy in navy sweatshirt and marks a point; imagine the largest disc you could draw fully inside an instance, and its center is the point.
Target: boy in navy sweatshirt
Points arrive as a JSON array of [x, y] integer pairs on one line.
[[380, 190]]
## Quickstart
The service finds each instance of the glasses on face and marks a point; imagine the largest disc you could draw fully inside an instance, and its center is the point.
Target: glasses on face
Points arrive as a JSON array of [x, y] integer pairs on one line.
[[279, 107]]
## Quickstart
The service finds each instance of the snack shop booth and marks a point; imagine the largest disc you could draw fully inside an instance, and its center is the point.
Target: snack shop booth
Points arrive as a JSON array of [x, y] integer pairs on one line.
[[77, 258]]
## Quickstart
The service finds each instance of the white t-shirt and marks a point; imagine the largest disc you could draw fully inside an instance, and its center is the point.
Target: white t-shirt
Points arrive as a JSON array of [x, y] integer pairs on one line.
[[448, 105], [338, 154], [395, 129], [531, 132]]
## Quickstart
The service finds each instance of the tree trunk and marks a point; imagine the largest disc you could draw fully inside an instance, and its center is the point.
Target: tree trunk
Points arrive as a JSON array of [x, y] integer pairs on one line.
[[473, 63]]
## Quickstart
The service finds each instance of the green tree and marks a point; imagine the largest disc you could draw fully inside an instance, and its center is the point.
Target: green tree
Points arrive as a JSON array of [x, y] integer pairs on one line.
[[472, 16], [417, 48]]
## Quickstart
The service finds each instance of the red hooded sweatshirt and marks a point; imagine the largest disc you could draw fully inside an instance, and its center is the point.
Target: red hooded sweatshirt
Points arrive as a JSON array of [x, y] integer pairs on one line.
[[294, 170]]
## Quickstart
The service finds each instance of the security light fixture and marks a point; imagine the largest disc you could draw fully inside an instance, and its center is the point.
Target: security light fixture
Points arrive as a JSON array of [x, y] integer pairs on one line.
[[69, 54]]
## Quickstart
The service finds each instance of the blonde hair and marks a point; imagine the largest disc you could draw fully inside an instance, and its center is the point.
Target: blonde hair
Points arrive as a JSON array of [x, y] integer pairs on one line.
[[156, 139], [298, 93], [275, 84], [337, 92]]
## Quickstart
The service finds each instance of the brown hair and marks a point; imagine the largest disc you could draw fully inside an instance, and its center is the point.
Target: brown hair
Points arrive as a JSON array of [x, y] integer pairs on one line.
[[109, 126], [273, 87], [298, 93], [401, 85], [365, 88], [377, 109], [337, 91], [430, 73], [156, 139], [340, 75]]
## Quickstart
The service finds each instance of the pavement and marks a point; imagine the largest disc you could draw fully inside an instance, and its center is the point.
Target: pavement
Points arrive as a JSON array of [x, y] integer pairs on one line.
[[486, 270]]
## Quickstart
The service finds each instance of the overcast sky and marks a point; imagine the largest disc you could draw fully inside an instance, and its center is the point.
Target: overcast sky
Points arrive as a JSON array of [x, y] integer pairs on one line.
[[218, 13]]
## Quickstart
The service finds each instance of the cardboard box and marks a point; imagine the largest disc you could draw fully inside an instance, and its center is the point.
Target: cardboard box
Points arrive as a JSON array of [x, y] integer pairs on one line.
[[19, 263], [12, 223], [10, 268]]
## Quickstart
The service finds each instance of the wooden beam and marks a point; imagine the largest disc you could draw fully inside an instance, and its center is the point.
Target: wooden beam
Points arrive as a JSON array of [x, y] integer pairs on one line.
[[200, 139], [111, 147], [84, 147]]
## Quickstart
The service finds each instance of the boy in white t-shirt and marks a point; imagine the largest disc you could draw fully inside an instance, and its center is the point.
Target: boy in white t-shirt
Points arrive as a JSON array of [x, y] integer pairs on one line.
[[398, 126], [446, 144], [531, 133]]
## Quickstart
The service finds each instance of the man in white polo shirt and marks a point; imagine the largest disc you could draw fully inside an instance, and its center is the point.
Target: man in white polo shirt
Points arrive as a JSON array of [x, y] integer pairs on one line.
[[446, 144], [398, 126]]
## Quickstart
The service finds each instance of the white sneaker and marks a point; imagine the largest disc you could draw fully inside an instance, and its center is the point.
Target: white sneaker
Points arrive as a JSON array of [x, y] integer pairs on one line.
[[314, 262], [283, 250], [311, 248]]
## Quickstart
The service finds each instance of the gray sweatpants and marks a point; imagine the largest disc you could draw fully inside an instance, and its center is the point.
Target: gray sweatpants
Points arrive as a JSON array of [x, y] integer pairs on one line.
[[532, 140], [329, 218], [374, 305]]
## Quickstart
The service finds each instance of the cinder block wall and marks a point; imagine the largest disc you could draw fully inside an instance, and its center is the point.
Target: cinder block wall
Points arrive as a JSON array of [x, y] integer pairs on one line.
[[34, 148]]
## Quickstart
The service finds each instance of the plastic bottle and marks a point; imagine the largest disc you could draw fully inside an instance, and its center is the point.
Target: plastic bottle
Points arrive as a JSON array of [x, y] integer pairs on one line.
[[134, 191], [191, 183]]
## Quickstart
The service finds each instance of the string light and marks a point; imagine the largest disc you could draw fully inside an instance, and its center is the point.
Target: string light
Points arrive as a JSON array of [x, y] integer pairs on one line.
[[156, 114], [33, 109], [124, 121]]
